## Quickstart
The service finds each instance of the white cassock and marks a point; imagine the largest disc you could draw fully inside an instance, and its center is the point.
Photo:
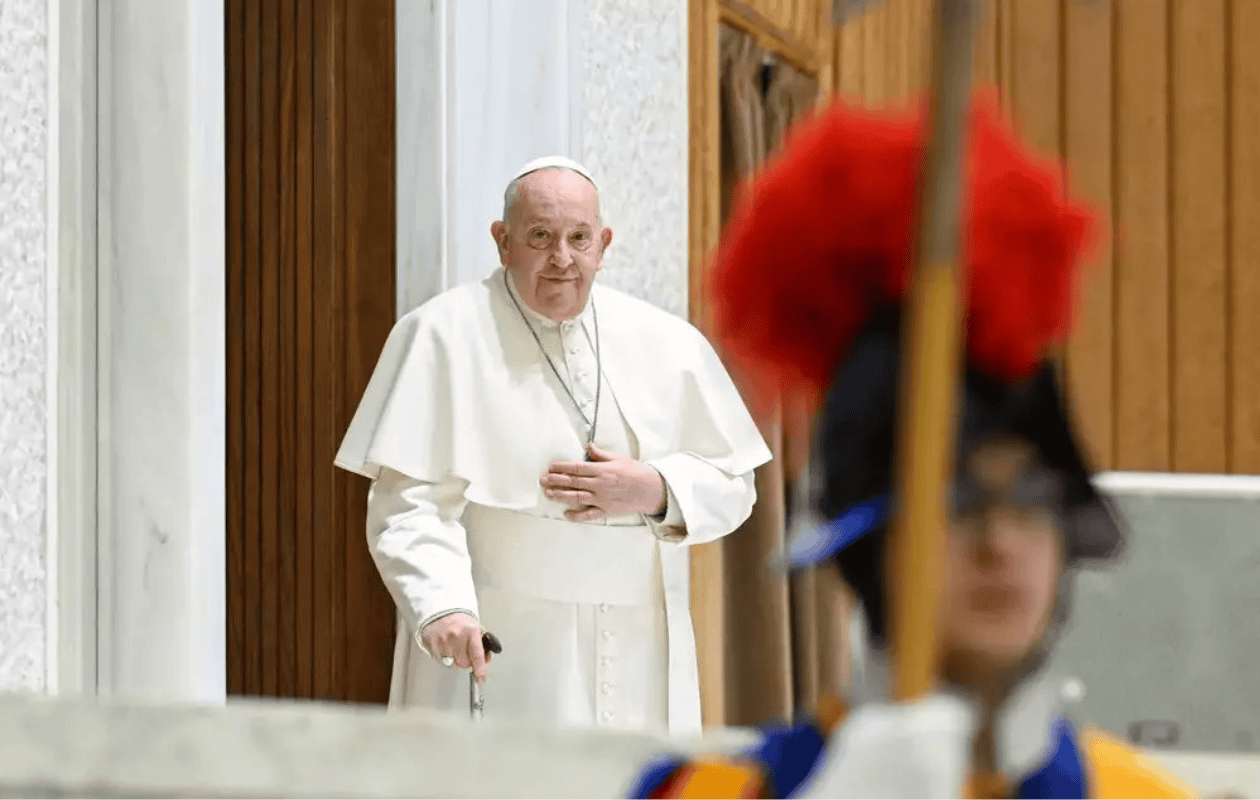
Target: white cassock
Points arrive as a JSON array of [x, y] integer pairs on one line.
[[459, 422]]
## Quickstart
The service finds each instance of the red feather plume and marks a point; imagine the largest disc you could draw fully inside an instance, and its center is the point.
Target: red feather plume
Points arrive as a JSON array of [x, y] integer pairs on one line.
[[821, 238]]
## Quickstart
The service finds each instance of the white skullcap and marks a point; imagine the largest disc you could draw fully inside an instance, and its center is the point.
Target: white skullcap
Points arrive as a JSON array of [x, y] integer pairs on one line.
[[549, 162]]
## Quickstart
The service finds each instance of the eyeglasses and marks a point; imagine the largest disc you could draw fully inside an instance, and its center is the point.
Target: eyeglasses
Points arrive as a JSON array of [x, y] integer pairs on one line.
[[1032, 504]]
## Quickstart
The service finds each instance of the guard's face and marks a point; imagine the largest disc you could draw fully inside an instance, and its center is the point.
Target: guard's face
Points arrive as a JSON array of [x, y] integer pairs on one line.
[[553, 244], [1003, 560]]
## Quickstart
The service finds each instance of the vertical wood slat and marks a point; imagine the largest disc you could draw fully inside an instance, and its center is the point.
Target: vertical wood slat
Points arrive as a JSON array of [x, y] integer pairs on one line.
[[1088, 139], [251, 524], [370, 295], [1142, 405], [305, 469], [269, 275], [329, 418], [919, 46], [875, 70], [986, 55], [704, 220], [1243, 30], [236, 446], [285, 425], [894, 42], [850, 58], [1034, 82], [1198, 226]]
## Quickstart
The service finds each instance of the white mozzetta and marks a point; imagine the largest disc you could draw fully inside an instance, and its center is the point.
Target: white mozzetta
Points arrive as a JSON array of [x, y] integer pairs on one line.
[[634, 139], [23, 343]]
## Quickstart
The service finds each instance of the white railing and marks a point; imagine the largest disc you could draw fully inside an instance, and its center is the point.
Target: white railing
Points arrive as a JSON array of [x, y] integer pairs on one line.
[[75, 748], [1180, 485]]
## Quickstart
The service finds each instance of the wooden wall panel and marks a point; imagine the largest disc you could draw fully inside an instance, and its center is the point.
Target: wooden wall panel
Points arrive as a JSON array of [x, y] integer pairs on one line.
[[704, 214], [1199, 238], [986, 54], [1142, 403], [1035, 83], [1243, 344], [1152, 105], [370, 304], [310, 119], [788, 28], [1088, 103]]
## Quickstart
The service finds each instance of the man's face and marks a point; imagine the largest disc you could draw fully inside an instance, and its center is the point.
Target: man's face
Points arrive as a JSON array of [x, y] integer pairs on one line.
[[552, 244], [1003, 561]]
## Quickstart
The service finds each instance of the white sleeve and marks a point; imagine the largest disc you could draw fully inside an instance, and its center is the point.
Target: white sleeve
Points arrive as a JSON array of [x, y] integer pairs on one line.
[[420, 547], [704, 503], [916, 749]]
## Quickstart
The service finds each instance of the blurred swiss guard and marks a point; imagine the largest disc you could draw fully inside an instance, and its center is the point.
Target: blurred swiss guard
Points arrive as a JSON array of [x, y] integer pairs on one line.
[[810, 286]]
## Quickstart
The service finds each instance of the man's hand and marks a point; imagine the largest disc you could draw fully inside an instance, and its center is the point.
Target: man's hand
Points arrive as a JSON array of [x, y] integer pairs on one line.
[[457, 636], [605, 486]]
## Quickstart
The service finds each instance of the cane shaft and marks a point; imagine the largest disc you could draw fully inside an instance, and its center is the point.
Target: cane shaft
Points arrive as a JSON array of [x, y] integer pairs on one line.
[[926, 440], [476, 703]]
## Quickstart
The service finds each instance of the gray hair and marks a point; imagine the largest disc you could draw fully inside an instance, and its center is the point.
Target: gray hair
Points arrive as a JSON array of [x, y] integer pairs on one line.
[[514, 186]]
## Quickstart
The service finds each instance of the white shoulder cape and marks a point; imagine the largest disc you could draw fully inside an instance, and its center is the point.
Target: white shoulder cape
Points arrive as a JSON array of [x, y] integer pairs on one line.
[[460, 390]]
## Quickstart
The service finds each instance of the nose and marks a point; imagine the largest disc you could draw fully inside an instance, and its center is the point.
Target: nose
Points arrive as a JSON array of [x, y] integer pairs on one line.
[[561, 254], [996, 537]]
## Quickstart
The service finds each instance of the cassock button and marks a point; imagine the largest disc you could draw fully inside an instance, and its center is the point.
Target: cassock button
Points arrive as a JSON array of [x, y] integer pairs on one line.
[[607, 635], [603, 607], [606, 716], [605, 689]]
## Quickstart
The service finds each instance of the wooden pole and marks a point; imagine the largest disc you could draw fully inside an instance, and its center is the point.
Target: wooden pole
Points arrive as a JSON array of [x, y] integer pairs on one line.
[[925, 446]]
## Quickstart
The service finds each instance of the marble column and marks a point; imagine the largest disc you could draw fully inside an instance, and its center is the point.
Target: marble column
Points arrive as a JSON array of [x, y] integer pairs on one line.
[[485, 87], [162, 352], [482, 88], [24, 578]]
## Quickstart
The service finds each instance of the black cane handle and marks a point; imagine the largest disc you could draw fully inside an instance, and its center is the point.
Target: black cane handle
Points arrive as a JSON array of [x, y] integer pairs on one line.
[[490, 643]]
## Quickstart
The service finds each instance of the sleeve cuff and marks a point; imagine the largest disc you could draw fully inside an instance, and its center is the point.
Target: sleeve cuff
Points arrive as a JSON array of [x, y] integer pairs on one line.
[[669, 526], [419, 640]]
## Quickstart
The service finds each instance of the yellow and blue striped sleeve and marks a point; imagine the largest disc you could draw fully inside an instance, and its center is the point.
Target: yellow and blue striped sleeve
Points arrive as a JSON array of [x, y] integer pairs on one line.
[[712, 777]]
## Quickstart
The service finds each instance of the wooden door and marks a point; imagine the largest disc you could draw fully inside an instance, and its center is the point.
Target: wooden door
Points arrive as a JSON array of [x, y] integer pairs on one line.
[[310, 215]]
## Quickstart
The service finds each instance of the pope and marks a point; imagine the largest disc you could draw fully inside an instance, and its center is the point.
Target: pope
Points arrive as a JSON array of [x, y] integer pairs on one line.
[[543, 450]]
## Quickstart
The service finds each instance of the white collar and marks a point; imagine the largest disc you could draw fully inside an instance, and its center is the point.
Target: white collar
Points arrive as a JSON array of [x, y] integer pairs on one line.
[[1023, 729]]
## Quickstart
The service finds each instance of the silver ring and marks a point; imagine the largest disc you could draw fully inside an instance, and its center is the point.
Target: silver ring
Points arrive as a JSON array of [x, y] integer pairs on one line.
[[447, 661]]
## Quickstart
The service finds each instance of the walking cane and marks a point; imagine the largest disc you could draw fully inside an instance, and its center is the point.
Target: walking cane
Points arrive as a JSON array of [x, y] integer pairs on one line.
[[476, 703]]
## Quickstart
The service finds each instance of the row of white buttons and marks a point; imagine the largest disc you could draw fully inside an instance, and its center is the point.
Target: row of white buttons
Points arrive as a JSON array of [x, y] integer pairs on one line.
[[606, 688]]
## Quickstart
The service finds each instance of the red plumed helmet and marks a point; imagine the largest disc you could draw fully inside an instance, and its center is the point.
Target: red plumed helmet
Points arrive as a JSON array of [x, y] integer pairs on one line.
[[821, 238]]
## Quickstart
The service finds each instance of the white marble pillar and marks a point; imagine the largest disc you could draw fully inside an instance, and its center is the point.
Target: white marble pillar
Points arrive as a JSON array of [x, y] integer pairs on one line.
[[24, 342], [162, 351], [482, 88]]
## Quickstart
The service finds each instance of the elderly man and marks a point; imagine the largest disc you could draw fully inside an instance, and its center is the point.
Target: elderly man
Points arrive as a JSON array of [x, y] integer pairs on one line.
[[542, 449]]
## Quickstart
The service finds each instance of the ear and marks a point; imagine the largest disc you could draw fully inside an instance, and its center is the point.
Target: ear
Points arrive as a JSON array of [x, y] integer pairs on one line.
[[605, 239], [498, 232]]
